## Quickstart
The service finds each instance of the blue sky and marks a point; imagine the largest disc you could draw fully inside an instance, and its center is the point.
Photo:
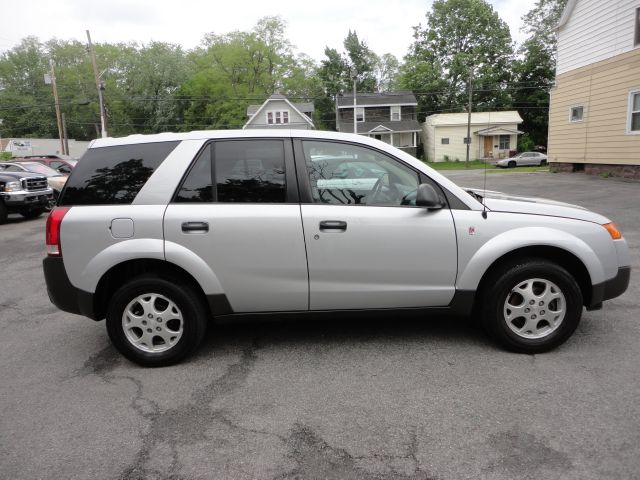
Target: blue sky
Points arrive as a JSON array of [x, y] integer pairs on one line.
[[383, 24]]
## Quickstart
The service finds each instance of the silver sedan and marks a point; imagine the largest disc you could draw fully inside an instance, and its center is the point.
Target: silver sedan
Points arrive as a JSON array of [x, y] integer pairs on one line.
[[522, 159]]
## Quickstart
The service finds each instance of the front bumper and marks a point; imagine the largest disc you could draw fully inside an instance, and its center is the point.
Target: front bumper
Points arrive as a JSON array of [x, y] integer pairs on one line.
[[62, 293], [612, 288], [23, 198]]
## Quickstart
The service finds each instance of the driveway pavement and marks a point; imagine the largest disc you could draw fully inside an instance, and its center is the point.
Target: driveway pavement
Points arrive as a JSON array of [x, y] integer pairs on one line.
[[393, 399]]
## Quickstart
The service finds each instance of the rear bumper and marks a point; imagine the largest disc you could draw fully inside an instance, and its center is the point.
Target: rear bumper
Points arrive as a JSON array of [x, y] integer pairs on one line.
[[62, 293], [612, 288]]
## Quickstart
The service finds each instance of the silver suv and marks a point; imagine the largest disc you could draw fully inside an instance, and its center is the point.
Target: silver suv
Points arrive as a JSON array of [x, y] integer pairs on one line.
[[160, 234]]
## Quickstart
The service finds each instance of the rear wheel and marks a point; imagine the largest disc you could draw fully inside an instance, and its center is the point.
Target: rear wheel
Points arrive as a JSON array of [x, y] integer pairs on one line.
[[543, 163], [531, 305], [154, 322]]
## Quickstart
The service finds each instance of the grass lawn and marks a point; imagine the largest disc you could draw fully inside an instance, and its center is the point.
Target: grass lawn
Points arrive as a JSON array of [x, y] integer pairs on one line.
[[476, 164]]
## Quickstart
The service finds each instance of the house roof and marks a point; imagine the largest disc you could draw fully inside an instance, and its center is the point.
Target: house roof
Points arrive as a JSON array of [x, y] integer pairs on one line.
[[488, 132], [277, 96], [305, 107], [381, 127], [566, 13], [477, 118], [377, 99]]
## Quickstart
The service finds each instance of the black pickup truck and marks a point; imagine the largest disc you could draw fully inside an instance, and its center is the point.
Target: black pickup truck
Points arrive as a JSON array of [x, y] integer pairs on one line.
[[25, 193]]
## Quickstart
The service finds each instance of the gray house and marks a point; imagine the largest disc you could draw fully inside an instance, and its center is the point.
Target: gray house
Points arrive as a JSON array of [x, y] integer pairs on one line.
[[390, 117], [278, 112]]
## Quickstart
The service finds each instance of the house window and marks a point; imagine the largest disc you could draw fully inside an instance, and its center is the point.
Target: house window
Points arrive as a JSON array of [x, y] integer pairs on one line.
[[466, 140], [395, 113], [359, 114], [444, 141], [277, 118], [636, 41], [634, 112], [505, 142], [576, 113]]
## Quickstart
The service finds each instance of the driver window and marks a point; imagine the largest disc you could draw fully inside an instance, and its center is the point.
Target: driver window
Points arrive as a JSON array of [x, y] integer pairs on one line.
[[342, 174]]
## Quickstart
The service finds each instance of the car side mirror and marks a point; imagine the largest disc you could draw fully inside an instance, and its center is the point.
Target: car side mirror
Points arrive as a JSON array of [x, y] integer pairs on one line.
[[64, 169], [427, 197]]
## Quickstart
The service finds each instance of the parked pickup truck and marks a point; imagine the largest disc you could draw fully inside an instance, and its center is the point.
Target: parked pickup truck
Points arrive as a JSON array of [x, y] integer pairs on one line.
[[25, 193]]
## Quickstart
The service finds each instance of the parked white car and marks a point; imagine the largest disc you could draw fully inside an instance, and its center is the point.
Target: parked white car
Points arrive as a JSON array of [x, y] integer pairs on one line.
[[523, 159], [160, 234]]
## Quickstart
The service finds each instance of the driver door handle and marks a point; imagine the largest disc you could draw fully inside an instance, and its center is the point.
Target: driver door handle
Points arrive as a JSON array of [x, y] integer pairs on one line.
[[329, 225], [195, 227]]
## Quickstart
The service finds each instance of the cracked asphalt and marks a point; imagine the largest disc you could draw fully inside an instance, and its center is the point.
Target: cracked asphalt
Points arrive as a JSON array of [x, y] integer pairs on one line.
[[393, 399]]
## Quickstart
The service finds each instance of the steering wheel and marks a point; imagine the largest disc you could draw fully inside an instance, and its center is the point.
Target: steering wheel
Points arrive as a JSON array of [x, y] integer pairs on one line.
[[375, 191], [381, 194]]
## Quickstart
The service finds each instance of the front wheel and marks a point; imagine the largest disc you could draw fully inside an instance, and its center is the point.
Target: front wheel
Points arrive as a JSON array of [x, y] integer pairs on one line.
[[531, 306], [543, 163], [512, 164], [4, 212], [154, 322], [32, 213]]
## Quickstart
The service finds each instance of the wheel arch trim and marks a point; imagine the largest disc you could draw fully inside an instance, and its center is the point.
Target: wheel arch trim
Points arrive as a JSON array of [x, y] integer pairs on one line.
[[521, 240]]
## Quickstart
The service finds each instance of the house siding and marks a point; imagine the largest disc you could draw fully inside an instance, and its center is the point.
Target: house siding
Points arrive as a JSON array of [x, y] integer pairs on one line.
[[596, 30], [601, 137]]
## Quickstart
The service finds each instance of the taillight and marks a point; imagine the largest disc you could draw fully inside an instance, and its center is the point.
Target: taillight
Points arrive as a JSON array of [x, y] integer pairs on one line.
[[54, 220]]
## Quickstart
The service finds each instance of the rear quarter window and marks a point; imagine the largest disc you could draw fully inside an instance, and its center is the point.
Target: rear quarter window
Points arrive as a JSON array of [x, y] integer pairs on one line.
[[113, 175]]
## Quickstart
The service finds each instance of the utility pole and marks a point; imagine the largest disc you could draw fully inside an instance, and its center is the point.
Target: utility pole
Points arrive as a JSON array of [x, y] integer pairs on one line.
[[52, 79], [65, 136], [99, 86], [466, 165], [354, 76]]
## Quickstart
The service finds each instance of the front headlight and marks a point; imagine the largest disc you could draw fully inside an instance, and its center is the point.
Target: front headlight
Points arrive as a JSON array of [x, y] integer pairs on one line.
[[12, 187]]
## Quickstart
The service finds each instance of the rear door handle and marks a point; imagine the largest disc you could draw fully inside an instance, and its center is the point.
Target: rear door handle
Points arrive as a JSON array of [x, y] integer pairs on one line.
[[333, 225], [195, 227]]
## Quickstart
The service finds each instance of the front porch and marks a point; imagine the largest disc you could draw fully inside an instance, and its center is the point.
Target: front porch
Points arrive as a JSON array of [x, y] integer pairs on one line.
[[496, 143], [406, 141]]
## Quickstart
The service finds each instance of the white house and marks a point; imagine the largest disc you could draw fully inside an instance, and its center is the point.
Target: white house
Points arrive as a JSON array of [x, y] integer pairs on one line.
[[493, 135], [278, 112]]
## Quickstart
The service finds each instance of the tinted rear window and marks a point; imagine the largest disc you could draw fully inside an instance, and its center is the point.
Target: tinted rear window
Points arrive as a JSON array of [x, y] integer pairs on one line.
[[113, 175]]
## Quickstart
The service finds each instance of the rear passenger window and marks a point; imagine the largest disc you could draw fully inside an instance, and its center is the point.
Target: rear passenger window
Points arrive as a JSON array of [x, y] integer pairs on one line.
[[197, 186], [249, 171], [113, 175]]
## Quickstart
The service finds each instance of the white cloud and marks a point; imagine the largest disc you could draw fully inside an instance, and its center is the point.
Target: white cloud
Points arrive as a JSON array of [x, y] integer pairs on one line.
[[385, 26]]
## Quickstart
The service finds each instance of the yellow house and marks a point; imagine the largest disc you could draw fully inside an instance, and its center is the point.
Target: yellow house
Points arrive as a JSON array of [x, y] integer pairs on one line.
[[594, 117], [493, 135]]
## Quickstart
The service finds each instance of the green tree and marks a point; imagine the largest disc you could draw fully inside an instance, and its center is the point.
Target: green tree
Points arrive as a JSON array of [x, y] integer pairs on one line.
[[541, 21], [534, 71], [26, 102], [386, 72], [460, 36], [237, 69]]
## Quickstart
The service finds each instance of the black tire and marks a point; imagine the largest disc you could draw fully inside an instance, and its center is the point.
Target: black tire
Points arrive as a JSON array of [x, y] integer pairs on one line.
[[543, 163], [191, 305], [502, 284], [32, 213], [512, 164], [4, 213]]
